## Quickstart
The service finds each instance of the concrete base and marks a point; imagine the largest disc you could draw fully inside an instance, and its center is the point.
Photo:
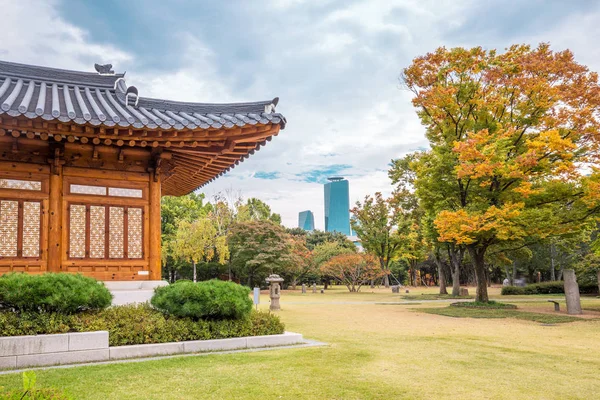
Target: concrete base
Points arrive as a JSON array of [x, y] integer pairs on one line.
[[86, 347], [132, 292], [199, 346], [65, 348]]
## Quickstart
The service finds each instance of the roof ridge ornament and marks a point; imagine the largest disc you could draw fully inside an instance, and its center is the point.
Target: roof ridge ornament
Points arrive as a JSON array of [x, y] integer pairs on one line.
[[132, 93], [270, 108], [104, 69]]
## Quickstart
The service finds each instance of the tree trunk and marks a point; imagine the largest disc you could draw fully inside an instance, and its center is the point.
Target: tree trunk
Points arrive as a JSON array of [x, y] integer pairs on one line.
[[599, 282], [560, 273], [552, 268], [441, 272], [386, 280], [194, 266], [294, 283], [477, 256], [456, 257], [514, 273], [386, 277]]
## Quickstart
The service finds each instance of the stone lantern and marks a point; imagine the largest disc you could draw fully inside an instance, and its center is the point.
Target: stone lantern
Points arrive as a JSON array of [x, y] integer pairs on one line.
[[274, 281]]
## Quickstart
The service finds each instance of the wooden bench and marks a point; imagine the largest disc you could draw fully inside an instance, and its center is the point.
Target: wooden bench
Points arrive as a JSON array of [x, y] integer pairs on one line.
[[556, 305]]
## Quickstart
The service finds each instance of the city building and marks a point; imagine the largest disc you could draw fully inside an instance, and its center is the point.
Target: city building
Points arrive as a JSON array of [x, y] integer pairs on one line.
[[84, 161], [306, 220], [337, 206]]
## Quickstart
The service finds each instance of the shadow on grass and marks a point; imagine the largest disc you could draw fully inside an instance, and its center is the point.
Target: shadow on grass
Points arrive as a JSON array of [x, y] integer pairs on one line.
[[471, 312]]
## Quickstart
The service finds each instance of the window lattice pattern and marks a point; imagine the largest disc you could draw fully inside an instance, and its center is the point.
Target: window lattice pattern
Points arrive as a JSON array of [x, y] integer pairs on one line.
[[20, 184], [9, 228], [122, 192], [134, 233], [77, 231], [97, 232], [86, 189], [116, 234], [31, 229]]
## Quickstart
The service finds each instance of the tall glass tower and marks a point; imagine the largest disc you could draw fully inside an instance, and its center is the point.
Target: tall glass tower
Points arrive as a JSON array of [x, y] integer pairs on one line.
[[337, 205], [306, 220]]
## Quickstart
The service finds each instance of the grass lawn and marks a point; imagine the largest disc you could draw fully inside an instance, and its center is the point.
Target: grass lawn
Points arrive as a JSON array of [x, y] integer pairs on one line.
[[375, 351]]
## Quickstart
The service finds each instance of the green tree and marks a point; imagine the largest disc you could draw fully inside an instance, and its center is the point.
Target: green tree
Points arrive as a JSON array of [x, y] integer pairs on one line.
[[174, 210], [317, 237], [375, 221], [301, 263], [199, 241], [257, 210], [429, 175], [258, 248]]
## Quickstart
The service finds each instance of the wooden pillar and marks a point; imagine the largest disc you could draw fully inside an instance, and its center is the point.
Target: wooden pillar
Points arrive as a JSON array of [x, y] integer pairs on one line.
[[154, 259], [55, 246]]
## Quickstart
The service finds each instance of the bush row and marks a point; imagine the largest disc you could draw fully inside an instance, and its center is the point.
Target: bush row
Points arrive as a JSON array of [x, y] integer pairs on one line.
[[71, 294], [212, 299], [52, 293], [138, 324], [554, 287], [489, 305]]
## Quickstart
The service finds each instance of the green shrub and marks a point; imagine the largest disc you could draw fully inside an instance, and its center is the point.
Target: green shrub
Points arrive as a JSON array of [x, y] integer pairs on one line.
[[512, 290], [489, 305], [60, 293], [139, 324], [212, 299], [553, 287]]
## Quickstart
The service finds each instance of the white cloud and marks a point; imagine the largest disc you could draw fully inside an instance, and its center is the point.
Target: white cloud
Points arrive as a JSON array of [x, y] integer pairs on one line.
[[33, 32], [197, 80]]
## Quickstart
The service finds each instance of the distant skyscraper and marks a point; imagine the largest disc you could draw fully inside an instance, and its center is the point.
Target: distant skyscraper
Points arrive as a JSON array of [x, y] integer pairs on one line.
[[306, 220], [337, 206]]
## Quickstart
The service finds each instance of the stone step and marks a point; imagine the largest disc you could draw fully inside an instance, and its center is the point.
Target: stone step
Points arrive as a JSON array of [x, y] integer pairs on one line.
[[134, 285]]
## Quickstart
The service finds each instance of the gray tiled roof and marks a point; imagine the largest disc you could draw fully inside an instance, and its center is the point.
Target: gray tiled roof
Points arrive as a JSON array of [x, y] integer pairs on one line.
[[96, 99]]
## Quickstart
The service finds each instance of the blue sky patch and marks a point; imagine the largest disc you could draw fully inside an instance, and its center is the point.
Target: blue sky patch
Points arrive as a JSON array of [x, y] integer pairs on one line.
[[320, 175], [267, 175]]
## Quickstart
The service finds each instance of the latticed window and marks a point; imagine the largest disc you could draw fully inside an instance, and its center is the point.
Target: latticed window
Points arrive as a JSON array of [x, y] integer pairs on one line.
[[103, 191], [105, 232], [20, 228]]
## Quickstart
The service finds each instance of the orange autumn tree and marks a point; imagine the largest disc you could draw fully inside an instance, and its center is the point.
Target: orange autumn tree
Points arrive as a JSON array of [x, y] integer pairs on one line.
[[514, 145], [353, 270]]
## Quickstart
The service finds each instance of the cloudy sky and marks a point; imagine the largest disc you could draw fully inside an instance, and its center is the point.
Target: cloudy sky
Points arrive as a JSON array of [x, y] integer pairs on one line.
[[333, 63]]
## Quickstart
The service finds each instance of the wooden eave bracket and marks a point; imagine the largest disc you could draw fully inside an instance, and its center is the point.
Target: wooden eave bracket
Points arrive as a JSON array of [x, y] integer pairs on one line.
[[57, 162]]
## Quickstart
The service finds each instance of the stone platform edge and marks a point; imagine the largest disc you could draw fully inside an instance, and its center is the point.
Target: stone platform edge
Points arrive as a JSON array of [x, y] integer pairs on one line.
[[18, 352]]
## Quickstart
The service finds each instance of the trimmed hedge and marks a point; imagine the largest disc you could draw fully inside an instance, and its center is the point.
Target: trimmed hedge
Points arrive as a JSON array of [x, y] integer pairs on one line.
[[489, 305], [139, 324], [553, 287], [61, 293], [214, 299]]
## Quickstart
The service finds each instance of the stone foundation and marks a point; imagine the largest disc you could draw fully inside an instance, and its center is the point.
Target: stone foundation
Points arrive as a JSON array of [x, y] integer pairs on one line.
[[74, 348]]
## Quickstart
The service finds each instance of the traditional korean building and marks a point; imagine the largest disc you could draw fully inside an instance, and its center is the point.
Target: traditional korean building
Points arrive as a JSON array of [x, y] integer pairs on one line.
[[84, 161]]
